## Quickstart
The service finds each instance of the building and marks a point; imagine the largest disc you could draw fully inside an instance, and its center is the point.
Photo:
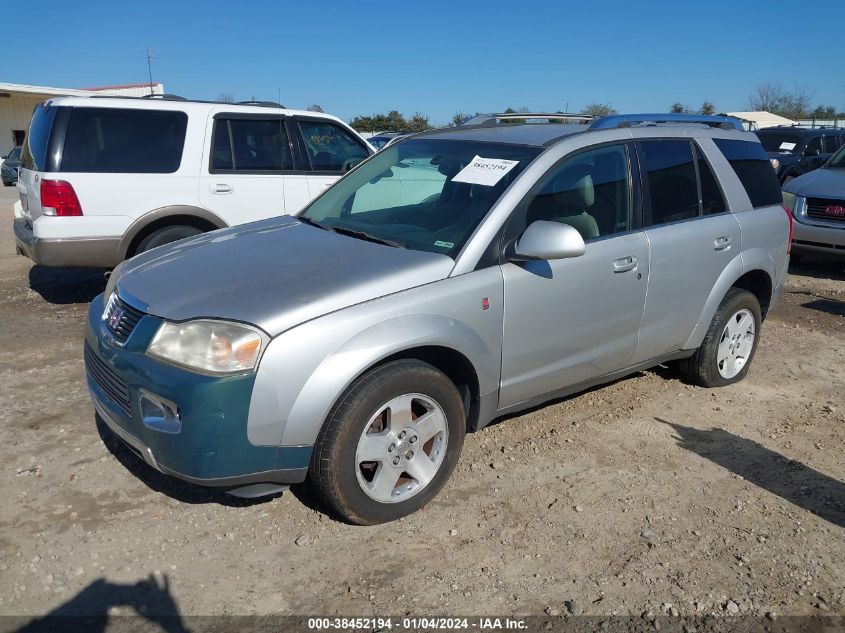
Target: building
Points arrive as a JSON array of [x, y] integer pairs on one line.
[[759, 120], [17, 102]]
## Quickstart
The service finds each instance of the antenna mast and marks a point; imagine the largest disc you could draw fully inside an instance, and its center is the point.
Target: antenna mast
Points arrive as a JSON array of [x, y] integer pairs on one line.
[[150, 56]]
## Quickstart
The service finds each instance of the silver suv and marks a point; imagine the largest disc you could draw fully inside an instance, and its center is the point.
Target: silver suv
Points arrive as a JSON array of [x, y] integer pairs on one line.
[[450, 279]]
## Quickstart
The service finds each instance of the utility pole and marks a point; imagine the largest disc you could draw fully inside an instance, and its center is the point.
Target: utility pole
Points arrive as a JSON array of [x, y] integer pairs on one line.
[[150, 56]]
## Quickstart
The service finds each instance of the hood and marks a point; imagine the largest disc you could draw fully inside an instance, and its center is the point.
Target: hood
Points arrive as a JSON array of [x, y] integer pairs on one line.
[[822, 183], [275, 274]]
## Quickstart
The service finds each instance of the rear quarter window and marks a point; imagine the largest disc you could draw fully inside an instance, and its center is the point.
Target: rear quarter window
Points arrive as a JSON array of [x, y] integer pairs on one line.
[[129, 141], [34, 153], [753, 169]]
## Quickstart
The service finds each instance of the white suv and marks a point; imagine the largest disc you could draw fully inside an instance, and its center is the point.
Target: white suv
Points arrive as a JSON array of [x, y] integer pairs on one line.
[[103, 179]]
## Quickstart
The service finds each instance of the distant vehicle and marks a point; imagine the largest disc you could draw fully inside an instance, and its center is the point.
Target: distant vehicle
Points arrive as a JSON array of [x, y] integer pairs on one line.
[[9, 167], [383, 139], [817, 201], [105, 178], [456, 277], [794, 151]]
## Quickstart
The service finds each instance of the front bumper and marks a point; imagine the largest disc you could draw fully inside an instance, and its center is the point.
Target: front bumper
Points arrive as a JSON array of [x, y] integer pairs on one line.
[[812, 238], [211, 448], [96, 252]]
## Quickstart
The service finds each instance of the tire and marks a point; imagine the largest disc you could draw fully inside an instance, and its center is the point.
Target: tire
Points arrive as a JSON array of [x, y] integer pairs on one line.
[[370, 491], [166, 235], [704, 367], [788, 179]]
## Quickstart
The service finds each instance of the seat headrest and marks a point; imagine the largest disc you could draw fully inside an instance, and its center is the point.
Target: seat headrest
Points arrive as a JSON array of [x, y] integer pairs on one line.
[[573, 187]]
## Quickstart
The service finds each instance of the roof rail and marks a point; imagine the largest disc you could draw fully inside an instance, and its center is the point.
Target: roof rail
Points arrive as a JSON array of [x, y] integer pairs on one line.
[[629, 120], [496, 119], [263, 104], [166, 96]]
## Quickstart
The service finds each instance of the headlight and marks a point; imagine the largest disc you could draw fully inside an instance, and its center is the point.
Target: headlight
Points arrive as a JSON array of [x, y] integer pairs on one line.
[[789, 200], [775, 163], [215, 347], [112, 280]]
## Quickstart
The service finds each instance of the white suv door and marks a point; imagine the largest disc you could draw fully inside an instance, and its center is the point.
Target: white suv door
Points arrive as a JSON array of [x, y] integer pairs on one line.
[[243, 175]]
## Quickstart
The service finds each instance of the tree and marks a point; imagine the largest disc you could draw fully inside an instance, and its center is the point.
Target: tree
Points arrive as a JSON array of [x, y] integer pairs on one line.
[[315, 108], [225, 97], [417, 123], [599, 109], [707, 108], [459, 118], [679, 108], [773, 98], [824, 112]]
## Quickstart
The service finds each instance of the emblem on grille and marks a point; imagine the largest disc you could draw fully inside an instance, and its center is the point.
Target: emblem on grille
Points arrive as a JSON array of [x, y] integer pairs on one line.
[[835, 209], [115, 317]]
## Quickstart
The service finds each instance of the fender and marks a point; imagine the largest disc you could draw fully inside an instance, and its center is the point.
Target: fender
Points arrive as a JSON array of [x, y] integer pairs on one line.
[[752, 259], [162, 212], [291, 415]]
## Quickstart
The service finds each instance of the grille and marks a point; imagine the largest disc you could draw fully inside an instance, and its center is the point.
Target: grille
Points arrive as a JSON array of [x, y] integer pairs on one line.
[[121, 318], [107, 380], [826, 209]]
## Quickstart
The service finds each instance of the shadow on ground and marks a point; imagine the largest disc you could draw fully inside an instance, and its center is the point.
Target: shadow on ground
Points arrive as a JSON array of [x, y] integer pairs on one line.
[[64, 286], [819, 267], [816, 492], [89, 609], [165, 484]]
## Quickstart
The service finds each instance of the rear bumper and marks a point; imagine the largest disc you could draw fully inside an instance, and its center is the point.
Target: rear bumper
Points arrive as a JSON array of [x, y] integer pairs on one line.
[[96, 252]]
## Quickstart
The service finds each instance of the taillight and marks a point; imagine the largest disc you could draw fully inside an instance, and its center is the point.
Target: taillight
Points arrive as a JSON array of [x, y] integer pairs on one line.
[[791, 222], [58, 198]]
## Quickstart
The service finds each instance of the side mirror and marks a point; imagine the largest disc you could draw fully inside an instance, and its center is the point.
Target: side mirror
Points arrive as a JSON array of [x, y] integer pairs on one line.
[[548, 240]]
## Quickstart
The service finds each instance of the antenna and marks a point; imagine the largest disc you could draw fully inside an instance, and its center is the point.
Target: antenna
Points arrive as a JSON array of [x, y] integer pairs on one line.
[[150, 55]]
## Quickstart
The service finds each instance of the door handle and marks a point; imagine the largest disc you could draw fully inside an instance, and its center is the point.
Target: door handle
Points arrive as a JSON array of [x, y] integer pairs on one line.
[[722, 243], [220, 188], [624, 264]]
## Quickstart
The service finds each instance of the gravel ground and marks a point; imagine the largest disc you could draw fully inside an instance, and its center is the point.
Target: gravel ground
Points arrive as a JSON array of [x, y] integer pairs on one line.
[[646, 495]]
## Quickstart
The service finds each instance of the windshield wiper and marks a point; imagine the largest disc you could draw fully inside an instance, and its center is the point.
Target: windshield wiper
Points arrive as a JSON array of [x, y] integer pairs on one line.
[[306, 220], [361, 235]]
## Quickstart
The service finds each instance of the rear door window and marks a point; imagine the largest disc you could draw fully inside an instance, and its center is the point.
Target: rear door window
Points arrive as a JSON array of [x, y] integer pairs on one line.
[[330, 148], [118, 140], [712, 201], [248, 145], [831, 144], [752, 167], [669, 170], [34, 154]]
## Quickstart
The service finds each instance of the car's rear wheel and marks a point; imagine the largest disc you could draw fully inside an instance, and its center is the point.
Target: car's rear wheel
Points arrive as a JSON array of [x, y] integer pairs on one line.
[[729, 345], [166, 235], [389, 444]]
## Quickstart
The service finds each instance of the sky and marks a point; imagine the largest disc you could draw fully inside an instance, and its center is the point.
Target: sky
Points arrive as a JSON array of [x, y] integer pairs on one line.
[[438, 58]]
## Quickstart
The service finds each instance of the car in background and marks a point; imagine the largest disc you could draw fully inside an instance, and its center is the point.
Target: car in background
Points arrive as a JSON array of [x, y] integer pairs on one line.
[[383, 139], [9, 167], [817, 201], [105, 178], [794, 151], [455, 277]]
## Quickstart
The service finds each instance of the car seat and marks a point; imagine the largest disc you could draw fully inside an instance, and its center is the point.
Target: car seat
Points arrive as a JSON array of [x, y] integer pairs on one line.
[[567, 200]]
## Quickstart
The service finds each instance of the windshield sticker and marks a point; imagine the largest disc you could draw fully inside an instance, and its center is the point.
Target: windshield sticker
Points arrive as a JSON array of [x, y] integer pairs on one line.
[[485, 171], [444, 244], [787, 146]]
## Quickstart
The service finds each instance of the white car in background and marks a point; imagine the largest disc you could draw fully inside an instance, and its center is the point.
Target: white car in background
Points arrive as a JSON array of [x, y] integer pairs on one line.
[[105, 178]]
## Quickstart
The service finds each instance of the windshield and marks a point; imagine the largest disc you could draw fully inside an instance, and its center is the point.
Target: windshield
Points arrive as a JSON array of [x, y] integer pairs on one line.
[[421, 194], [15, 154], [787, 142], [838, 159]]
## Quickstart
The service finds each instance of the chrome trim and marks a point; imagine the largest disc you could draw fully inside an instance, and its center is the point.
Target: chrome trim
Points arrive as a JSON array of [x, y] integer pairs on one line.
[[143, 450]]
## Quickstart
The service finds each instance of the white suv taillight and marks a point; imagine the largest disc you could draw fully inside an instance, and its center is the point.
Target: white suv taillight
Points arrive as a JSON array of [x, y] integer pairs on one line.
[[59, 199]]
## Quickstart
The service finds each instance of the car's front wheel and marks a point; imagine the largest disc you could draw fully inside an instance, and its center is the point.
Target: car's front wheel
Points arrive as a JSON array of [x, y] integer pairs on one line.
[[390, 443], [729, 345]]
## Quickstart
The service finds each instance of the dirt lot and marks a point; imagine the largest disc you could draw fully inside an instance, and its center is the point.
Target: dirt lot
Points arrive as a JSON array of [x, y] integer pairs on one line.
[[647, 494]]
